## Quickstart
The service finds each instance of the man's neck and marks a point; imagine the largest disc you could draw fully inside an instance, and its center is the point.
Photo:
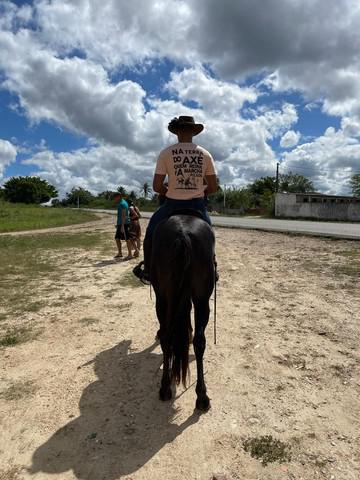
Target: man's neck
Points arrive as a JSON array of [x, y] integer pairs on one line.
[[185, 137]]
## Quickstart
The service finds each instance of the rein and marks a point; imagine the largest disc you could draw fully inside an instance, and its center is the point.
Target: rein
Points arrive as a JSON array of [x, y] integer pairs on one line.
[[215, 292]]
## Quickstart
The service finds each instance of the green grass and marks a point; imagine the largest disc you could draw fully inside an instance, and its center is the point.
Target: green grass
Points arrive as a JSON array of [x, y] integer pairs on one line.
[[16, 216], [267, 449]]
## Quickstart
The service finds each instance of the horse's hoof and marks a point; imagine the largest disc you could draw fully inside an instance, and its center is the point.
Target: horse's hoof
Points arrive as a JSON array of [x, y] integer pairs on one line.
[[203, 403], [165, 394]]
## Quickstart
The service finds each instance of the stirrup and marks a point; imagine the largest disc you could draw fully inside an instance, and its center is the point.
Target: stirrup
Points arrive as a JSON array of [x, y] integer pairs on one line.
[[141, 274]]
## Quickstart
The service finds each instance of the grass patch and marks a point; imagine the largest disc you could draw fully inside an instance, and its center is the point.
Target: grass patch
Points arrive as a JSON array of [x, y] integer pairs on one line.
[[18, 390], [347, 263], [89, 320], [35, 306], [350, 270], [350, 266], [25, 261], [16, 216], [267, 449], [18, 335], [110, 293]]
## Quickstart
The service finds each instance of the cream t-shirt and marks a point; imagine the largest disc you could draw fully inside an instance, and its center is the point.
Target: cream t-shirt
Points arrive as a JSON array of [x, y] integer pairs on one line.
[[186, 165]]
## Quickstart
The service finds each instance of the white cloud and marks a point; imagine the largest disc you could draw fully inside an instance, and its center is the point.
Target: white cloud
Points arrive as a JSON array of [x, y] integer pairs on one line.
[[329, 161], [290, 139], [217, 98], [76, 94], [117, 32], [7, 155], [97, 168], [39, 44], [238, 146]]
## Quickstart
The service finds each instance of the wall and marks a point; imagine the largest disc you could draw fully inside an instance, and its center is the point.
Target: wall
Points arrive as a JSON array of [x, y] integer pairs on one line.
[[291, 205]]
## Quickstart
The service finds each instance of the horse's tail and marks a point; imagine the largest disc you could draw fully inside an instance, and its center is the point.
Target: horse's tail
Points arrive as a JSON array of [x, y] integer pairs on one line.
[[179, 319]]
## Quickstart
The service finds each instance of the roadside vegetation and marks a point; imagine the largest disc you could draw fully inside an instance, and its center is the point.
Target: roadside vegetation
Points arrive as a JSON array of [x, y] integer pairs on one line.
[[256, 198]]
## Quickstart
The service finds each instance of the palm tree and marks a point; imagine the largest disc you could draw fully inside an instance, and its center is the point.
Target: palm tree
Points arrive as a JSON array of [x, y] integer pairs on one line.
[[122, 191], [146, 189]]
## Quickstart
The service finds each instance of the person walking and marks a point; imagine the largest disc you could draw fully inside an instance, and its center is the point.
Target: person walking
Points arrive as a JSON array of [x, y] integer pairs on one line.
[[122, 228], [191, 174], [135, 227]]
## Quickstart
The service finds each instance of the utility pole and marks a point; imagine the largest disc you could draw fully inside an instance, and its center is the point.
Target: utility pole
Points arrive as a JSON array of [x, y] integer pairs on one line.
[[224, 195], [78, 201], [277, 178]]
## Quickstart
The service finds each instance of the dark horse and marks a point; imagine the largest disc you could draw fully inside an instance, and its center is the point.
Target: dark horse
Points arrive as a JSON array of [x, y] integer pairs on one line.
[[182, 274]]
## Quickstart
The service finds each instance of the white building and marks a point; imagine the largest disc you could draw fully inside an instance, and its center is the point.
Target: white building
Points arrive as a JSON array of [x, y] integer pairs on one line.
[[317, 205]]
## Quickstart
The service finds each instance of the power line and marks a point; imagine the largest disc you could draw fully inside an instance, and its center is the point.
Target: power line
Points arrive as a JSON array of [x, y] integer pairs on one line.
[[318, 170]]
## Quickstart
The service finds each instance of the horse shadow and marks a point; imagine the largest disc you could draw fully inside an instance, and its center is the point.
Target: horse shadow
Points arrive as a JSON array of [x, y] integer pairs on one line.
[[122, 423]]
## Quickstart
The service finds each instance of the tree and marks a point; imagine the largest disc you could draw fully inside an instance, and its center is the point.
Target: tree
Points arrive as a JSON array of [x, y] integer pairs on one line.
[[234, 198], [262, 185], [294, 183], [132, 195], [28, 190], [107, 195], [122, 190], [146, 190], [78, 196], [355, 184]]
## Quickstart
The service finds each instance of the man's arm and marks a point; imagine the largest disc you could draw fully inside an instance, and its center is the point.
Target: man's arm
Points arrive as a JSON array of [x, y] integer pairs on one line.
[[158, 184], [123, 217], [211, 184]]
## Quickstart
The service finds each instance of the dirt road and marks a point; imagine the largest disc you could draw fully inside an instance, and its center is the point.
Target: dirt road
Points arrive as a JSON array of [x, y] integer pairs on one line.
[[80, 401]]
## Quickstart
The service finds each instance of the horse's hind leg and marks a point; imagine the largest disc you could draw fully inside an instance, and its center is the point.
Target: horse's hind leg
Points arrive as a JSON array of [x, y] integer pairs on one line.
[[202, 311], [165, 389]]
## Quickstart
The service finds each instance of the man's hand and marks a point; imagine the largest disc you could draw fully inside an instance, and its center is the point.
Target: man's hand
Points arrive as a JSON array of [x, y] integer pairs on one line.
[[211, 184], [158, 184]]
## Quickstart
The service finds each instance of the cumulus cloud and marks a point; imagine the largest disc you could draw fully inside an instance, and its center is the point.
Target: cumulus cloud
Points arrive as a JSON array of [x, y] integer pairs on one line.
[[290, 139], [7, 155], [216, 97], [76, 94], [329, 161], [60, 59], [97, 168]]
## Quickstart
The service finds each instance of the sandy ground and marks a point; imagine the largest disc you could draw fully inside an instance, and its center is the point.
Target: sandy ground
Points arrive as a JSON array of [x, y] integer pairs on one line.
[[286, 364]]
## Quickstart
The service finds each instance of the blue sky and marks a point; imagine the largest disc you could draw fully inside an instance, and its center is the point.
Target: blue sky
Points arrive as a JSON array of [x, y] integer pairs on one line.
[[88, 88]]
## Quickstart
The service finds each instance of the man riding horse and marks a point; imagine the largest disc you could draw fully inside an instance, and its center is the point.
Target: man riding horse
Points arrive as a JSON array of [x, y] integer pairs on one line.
[[184, 159]]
